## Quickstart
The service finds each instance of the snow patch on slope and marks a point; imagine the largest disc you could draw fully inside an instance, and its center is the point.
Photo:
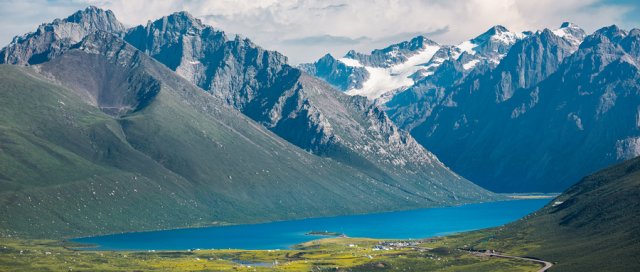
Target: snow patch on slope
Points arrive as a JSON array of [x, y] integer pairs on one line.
[[508, 37], [470, 64], [560, 32], [468, 46], [350, 62]]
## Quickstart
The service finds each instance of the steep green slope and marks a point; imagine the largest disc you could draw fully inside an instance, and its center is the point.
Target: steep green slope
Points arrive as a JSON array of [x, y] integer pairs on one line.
[[60, 161], [593, 226]]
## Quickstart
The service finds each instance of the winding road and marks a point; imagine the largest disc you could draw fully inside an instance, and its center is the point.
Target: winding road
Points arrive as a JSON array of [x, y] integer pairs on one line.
[[546, 264], [488, 253]]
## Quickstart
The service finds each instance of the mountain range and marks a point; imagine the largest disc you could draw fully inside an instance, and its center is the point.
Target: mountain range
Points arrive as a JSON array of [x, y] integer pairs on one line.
[[513, 112], [173, 124], [191, 128]]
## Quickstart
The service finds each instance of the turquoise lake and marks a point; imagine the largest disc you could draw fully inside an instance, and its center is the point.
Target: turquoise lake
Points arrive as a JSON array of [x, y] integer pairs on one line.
[[412, 224]]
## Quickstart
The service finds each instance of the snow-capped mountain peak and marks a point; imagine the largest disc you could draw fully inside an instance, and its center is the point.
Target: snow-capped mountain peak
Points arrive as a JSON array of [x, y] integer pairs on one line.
[[570, 32], [497, 33], [491, 45], [394, 67]]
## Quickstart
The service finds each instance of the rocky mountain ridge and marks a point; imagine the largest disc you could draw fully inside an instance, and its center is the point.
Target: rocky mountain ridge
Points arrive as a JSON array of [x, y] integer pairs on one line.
[[299, 108], [548, 99], [50, 40]]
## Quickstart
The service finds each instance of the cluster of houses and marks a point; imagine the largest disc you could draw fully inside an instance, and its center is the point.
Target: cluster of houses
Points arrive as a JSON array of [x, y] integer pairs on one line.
[[395, 245]]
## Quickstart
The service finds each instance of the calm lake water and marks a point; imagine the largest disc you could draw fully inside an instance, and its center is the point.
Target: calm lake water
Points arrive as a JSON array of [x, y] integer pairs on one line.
[[413, 224]]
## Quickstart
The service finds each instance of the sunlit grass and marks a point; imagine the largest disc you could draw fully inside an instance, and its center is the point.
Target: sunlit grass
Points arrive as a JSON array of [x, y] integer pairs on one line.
[[351, 254]]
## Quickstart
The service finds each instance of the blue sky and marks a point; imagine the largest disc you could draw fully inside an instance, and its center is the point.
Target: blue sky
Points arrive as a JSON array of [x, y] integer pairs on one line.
[[304, 30]]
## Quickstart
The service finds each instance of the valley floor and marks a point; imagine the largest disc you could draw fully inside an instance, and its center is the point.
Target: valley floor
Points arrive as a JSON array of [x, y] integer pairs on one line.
[[331, 254]]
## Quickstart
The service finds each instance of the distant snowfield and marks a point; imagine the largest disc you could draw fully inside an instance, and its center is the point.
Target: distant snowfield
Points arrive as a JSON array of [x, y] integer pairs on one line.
[[384, 80]]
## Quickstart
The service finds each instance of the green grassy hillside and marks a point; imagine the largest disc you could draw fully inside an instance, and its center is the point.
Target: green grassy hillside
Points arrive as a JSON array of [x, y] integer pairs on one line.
[[593, 226]]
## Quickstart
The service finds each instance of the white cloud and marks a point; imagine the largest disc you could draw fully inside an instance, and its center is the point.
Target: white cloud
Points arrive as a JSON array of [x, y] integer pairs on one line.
[[274, 24]]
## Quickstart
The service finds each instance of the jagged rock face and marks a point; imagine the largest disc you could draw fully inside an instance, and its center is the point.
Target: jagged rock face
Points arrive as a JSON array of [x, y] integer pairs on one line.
[[297, 107], [365, 130], [232, 69], [51, 39], [529, 62], [336, 73], [167, 38], [411, 107], [630, 43], [545, 116]]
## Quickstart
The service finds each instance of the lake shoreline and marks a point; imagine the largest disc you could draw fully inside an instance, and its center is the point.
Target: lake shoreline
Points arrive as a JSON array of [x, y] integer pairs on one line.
[[408, 224], [502, 198]]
